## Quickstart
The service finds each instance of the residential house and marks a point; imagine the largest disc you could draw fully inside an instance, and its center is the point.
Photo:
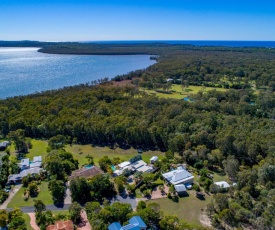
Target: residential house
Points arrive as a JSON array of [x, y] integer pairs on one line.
[[17, 178], [222, 185], [86, 172], [37, 162], [135, 223], [141, 166], [27, 168], [178, 176], [123, 165], [24, 164]]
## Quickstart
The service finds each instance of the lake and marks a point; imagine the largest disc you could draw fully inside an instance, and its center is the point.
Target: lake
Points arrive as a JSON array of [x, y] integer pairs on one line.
[[25, 71]]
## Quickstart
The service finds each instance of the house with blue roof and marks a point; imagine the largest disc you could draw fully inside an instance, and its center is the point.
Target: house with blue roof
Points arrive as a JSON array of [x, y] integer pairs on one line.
[[135, 223]]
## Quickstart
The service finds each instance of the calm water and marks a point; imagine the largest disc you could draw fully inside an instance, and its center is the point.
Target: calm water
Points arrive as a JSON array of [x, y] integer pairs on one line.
[[24, 70]]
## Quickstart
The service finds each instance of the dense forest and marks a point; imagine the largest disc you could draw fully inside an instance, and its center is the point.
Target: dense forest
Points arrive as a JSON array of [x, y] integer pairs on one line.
[[233, 130]]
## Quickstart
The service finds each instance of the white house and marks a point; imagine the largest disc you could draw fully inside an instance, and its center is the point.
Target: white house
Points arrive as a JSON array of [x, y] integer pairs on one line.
[[24, 164], [179, 176], [153, 159], [123, 165], [222, 184], [37, 162]]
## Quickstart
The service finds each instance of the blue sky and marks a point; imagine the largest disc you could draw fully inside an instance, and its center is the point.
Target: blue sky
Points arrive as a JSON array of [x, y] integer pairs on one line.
[[92, 20]]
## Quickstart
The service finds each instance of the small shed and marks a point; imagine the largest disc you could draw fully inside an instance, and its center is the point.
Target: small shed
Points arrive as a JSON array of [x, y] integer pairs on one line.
[[181, 189], [153, 159]]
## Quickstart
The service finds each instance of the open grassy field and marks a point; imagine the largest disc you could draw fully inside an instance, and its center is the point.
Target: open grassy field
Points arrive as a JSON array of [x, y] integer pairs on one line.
[[44, 195], [188, 208], [38, 149], [81, 151], [178, 93]]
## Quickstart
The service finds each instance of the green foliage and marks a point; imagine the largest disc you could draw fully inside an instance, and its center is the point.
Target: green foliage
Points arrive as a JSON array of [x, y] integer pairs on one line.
[[90, 159], [105, 163], [3, 218], [231, 167], [18, 137], [3, 196], [33, 189], [57, 142], [80, 190], [60, 163], [101, 186], [16, 220], [39, 206], [57, 189], [75, 212], [135, 159]]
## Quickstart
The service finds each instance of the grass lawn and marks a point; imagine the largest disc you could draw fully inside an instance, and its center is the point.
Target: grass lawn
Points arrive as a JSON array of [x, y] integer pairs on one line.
[[27, 221], [188, 208], [38, 149], [44, 195], [99, 152], [220, 177], [55, 212], [178, 93]]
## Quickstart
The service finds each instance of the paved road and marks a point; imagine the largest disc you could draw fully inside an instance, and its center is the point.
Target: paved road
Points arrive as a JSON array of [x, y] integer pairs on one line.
[[68, 199], [125, 198], [30, 209], [11, 195]]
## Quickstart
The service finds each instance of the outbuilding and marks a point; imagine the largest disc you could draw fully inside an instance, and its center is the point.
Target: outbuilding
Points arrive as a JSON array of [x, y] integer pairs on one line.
[[181, 189], [153, 159]]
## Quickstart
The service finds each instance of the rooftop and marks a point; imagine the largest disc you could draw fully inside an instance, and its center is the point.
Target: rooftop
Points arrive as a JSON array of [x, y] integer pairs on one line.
[[15, 177], [222, 184], [138, 164], [135, 223], [37, 159], [178, 176], [86, 172], [137, 220], [144, 168], [154, 158], [124, 164], [180, 188], [114, 226]]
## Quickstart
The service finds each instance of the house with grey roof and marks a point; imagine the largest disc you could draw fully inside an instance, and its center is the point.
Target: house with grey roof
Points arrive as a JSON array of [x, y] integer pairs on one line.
[[17, 178], [178, 176], [135, 223], [27, 168]]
